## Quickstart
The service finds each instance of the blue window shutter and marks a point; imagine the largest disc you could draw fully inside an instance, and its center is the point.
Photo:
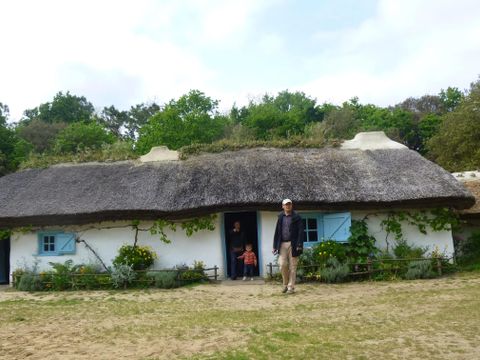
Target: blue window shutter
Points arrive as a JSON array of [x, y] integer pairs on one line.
[[337, 226], [65, 243]]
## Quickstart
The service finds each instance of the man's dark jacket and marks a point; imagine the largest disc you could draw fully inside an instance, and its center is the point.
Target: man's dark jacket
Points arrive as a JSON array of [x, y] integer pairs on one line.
[[297, 234]]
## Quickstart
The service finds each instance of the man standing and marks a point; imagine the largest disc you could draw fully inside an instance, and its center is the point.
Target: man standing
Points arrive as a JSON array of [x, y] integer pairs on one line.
[[288, 242]]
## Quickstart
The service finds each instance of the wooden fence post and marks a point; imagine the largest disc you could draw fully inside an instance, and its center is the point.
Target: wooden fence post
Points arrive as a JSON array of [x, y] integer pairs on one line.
[[369, 268], [439, 266], [215, 269], [270, 270]]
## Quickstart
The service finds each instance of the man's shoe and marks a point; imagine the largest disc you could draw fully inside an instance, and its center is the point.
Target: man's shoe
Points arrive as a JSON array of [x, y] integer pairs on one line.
[[290, 291], [251, 279], [285, 289], [244, 278]]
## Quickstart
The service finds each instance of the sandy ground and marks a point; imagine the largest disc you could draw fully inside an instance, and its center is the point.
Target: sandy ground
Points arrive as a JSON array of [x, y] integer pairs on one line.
[[206, 319]]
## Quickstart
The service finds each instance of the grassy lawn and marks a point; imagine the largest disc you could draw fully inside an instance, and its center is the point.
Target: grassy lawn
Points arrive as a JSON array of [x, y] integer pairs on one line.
[[429, 319]]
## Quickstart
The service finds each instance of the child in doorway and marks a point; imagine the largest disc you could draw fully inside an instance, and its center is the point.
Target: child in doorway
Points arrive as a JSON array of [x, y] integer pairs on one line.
[[249, 262]]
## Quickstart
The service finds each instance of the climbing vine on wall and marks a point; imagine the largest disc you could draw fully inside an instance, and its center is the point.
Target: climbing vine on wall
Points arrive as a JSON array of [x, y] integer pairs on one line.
[[5, 233], [190, 226], [439, 219]]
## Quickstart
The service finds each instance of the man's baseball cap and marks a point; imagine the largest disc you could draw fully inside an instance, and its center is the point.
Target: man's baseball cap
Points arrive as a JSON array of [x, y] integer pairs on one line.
[[286, 201]]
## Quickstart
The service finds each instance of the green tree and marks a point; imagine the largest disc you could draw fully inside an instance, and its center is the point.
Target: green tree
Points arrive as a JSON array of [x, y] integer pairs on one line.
[[66, 108], [113, 119], [193, 118], [126, 124], [39, 133], [7, 147], [427, 128], [456, 145], [138, 116], [12, 149], [451, 98], [341, 123], [80, 136], [426, 104], [4, 113], [279, 117]]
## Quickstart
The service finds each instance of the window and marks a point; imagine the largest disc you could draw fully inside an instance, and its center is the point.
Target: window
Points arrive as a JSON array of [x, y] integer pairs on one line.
[[48, 243], [310, 225], [326, 226], [56, 243]]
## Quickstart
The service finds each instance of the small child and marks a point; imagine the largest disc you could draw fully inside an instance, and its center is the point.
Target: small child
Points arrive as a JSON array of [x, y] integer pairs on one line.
[[249, 262]]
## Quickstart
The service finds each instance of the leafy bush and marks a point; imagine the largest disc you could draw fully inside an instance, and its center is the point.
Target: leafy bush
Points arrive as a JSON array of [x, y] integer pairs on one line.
[[122, 275], [60, 278], [312, 275], [403, 250], [307, 263], [334, 272], [27, 278], [388, 270], [191, 274], [447, 266], [81, 135], [328, 249], [164, 279], [419, 269], [360, 246], [29, 282], [89, 277], [469, 250], [139, 257], [120, 150], [232, 145]]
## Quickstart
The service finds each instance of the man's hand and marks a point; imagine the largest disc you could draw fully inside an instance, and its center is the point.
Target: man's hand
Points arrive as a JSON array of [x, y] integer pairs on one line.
[[274, 251]]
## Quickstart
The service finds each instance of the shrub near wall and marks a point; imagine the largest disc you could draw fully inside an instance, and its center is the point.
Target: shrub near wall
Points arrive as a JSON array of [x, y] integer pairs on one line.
[[136, 256], [67, 276]]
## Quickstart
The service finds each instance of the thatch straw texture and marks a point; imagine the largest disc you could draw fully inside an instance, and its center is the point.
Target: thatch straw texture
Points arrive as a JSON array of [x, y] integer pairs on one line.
[[243, 180], [474, 211]]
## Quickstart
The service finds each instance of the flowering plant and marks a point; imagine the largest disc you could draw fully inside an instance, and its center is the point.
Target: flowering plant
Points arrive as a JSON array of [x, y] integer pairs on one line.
[[138, 257], [329, 249]]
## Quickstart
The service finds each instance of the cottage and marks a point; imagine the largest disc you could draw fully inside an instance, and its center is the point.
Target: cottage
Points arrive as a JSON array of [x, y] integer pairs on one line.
[[470, 216], [51, 209]]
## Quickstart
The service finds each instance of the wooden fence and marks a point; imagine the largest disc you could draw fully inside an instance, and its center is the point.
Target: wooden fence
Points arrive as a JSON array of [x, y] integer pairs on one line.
[[78, 280], [372, 267]]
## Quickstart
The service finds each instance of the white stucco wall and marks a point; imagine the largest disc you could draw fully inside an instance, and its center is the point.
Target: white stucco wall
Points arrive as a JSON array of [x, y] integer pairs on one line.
[[442, 239], [107, 238], [207, 246]]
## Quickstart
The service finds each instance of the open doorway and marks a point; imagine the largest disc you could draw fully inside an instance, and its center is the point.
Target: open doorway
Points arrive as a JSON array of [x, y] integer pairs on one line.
[[248, 224], [4, 260]]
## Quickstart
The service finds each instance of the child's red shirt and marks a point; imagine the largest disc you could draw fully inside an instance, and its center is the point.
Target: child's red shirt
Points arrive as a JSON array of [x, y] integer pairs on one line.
[[249, 258]]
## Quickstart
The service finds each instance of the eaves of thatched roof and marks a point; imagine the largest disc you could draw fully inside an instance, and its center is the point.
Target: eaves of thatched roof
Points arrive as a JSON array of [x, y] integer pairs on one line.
[[328, 179], [471, 180]]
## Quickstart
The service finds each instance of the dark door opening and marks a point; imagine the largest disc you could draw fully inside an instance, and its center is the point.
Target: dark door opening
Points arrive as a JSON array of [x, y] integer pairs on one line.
[[4, 260], [248, 224]]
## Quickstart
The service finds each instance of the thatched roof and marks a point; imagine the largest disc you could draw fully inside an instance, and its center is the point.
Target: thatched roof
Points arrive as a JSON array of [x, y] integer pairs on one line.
[[473, 185], [243, 180]]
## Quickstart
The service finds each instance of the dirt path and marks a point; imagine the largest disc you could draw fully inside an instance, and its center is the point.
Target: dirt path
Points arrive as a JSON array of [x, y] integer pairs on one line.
[[211, 320]]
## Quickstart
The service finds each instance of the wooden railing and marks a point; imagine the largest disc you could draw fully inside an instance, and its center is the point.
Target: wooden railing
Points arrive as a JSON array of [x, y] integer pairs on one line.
[[78, 280], [368, 268]]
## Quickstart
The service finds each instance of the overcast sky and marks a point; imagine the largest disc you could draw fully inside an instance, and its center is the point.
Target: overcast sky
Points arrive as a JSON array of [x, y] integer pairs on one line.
[[126, 52]]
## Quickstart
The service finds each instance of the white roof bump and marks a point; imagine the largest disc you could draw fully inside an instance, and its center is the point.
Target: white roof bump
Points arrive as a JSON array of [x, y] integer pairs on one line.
[[373, 140], [159, 153]]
